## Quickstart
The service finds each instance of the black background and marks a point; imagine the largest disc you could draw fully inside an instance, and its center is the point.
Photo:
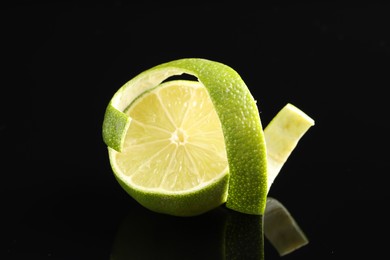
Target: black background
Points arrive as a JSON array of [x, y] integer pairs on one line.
[[62, 61]]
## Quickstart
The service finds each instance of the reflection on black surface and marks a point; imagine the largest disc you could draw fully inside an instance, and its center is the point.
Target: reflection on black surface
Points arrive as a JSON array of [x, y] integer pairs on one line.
[[147, 235], [96, 220], [281, 229], [218, 234], [244, 237]]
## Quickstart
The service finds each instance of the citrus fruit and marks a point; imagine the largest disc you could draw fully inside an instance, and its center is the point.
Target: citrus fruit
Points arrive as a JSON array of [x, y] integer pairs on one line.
[[183, 147]]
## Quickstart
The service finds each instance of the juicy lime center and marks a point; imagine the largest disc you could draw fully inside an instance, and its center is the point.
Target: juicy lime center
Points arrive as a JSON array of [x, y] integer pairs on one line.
[[179, 137], [175, 140]]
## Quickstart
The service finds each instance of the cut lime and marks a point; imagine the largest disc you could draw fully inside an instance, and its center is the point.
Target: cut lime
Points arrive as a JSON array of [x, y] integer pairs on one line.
[[174, 151], [180, 147], [184, 147]]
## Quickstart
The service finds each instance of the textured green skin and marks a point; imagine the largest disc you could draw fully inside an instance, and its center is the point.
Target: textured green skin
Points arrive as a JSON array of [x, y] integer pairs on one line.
[[241, 125], [115, 124]]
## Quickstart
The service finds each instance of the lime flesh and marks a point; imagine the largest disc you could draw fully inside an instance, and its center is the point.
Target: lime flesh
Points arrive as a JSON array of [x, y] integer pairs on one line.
[[174, 159]]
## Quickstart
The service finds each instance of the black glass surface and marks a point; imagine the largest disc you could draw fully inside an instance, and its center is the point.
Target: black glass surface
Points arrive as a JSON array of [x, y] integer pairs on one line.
[[62, 61]]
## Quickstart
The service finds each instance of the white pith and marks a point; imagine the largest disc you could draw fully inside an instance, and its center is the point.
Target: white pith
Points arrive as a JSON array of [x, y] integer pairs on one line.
[[282, 135]]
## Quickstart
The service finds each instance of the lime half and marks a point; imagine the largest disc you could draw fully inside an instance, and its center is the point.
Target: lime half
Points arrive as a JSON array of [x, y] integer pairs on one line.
[[184, 147]]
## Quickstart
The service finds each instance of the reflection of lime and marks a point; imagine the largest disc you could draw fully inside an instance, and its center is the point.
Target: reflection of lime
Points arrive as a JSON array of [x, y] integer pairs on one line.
[[244, 237], [147, 235], [218, 234], [181, 146], [281, 229]]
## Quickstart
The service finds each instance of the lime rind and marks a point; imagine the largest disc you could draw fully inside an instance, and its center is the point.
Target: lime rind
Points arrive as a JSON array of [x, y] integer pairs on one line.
[[243, 133], [282, 135], [115, 126]]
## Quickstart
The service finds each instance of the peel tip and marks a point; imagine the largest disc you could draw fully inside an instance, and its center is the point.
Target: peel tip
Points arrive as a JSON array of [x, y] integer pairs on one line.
[[310, 121]]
